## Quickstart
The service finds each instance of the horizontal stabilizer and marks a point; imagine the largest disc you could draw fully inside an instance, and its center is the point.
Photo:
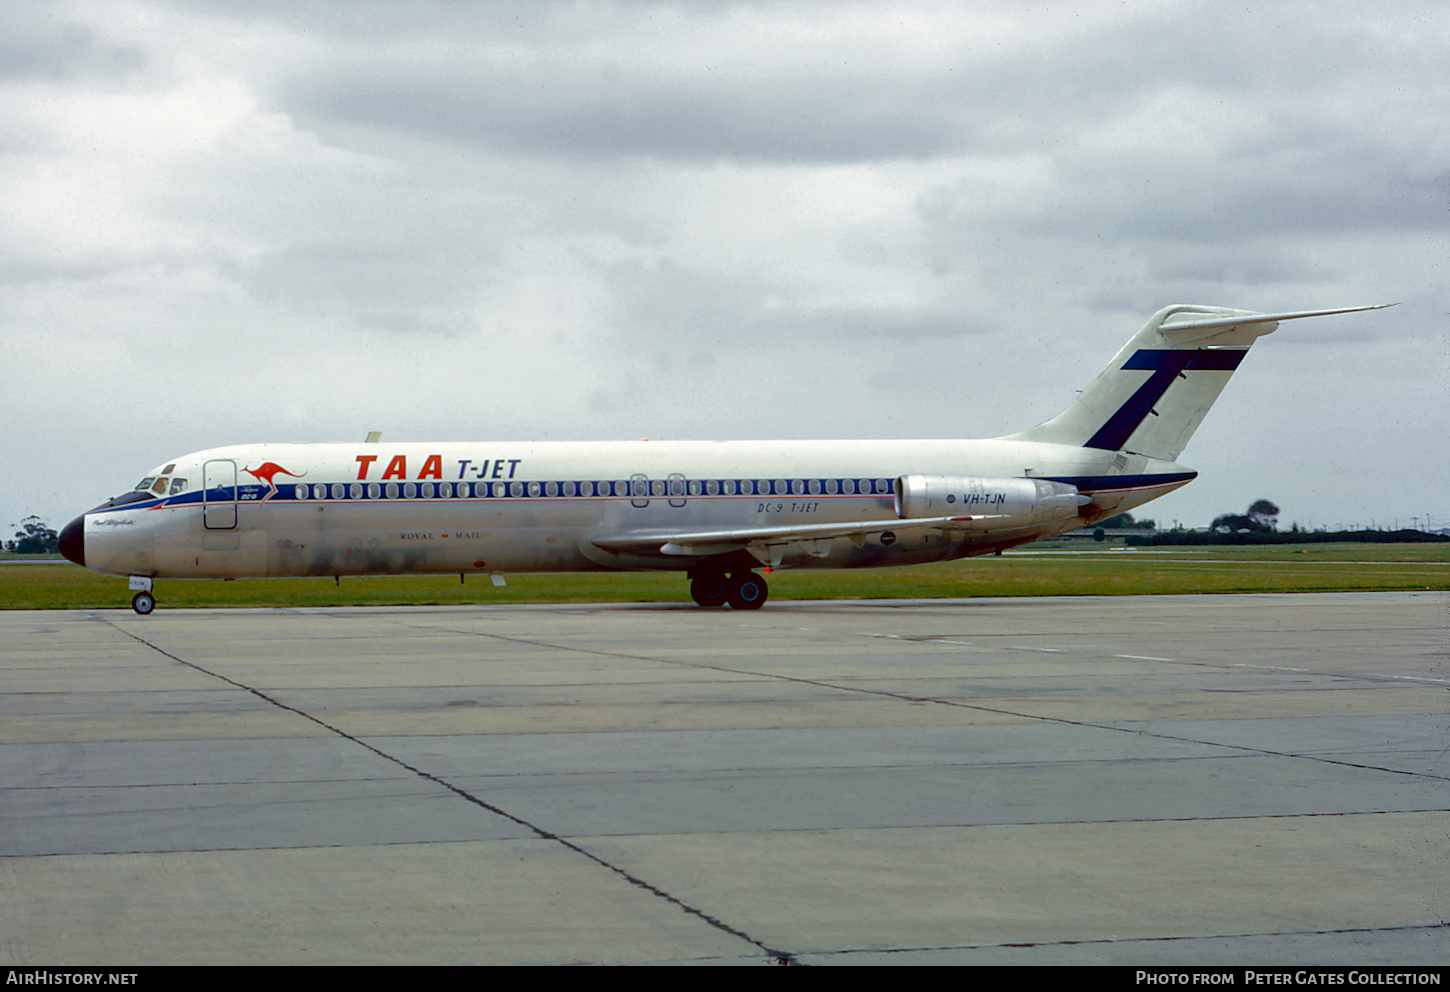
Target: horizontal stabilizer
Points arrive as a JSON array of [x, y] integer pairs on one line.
[[1170, 326], [1182, 331]]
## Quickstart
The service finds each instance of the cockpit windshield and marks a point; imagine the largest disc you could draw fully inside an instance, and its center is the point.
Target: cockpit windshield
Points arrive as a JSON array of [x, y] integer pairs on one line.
[[159, 483], [134, 496]]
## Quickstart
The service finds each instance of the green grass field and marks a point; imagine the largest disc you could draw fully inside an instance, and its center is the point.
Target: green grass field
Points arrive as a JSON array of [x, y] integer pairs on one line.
[[1041, 571]]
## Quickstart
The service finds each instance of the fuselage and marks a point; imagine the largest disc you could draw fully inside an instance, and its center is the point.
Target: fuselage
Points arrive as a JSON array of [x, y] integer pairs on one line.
[[353, 509]]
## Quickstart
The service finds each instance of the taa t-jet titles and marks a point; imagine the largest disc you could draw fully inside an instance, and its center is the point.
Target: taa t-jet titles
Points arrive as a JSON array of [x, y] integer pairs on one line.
[[717, 511]]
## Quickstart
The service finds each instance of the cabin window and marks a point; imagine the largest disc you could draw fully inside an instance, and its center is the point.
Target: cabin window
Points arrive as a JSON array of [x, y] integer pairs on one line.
[[445, 489], [883, 486], [392, 490], [694, 487], [374, 490], [831, 487], [657, 487], [299, 492], [569, 489], [338, 490], [551, 489], [798, 486], [425, 490], [355, 490], [535, 489]]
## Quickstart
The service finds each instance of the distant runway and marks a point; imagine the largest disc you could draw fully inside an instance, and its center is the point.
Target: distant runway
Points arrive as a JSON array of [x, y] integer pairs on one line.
[[1247, 780]]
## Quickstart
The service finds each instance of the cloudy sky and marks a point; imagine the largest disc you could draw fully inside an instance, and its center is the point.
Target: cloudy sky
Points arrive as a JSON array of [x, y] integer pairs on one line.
[[297, 221]]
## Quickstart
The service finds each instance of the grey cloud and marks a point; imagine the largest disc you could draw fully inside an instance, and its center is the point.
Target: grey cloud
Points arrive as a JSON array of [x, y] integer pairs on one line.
[[34, 44], [607, 119]]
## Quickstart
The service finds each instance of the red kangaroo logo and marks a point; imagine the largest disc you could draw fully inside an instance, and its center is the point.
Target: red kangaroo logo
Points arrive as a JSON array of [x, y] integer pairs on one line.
[[266, 472]]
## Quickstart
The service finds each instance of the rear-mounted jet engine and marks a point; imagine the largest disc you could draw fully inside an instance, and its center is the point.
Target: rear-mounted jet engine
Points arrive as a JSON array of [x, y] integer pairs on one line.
[[1002, 504]]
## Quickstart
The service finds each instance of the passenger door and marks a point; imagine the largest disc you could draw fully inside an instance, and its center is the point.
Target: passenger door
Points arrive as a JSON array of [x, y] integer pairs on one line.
[[219, 494]]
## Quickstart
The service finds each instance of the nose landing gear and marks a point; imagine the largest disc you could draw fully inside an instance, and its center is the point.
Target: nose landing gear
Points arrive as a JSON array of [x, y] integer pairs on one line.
[[143, 602], [742, 590]]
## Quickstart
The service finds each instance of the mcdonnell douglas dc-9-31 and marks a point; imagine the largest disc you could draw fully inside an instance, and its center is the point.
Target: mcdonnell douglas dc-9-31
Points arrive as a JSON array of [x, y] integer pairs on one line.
[[715, 510]]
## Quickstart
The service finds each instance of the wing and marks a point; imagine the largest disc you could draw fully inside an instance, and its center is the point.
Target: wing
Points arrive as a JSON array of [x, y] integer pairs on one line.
[[717, 542]]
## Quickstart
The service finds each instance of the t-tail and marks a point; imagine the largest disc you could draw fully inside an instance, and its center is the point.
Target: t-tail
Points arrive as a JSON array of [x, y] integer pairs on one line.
[[1154, 393]]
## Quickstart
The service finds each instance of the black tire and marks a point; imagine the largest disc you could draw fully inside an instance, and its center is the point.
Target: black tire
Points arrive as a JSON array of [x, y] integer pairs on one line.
[[143, 603], [748, 591], [710, 590]]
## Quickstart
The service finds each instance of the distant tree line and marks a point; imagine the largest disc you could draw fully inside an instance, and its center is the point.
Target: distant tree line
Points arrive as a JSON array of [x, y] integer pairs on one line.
[[33, 538], [1261, 519], [1125, 521], [1258, 526], [1405, 536]]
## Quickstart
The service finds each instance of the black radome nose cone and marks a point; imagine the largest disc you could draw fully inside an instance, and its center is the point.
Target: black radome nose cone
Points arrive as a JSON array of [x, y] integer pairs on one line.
[[73, 540]]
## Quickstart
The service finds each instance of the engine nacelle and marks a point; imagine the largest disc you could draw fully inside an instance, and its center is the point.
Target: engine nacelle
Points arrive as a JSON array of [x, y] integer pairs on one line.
[[1000, 503]]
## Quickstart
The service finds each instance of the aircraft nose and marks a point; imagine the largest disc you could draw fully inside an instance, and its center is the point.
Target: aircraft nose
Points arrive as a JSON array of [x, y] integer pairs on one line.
[[73, 540]]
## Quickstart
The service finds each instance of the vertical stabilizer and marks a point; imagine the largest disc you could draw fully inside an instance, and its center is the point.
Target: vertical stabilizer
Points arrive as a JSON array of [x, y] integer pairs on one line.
[[1155, 392]]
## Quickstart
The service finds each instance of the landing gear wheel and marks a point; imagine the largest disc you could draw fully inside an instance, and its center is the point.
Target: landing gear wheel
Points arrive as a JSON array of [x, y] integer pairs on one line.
[[143, 603], [748, 591], [709, 590]]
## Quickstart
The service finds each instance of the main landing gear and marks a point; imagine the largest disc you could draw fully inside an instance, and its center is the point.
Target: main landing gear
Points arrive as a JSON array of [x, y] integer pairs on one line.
[[742, 590]]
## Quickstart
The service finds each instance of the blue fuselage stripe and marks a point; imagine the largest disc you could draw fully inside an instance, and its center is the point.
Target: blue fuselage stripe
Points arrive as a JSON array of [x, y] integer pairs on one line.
[[1090, 484]]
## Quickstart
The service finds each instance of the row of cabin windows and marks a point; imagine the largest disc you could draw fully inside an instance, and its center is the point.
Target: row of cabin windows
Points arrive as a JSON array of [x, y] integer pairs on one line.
[[631, 488]]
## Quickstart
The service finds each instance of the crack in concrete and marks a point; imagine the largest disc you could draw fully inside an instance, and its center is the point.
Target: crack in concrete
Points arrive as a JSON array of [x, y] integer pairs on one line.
[[780, 957]]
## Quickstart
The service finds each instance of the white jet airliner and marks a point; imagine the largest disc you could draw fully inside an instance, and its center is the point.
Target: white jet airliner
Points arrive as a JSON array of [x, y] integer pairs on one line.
[[714, 510]]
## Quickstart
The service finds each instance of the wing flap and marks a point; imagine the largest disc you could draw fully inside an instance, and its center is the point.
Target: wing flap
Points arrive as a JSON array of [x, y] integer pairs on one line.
[[715, 542]]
